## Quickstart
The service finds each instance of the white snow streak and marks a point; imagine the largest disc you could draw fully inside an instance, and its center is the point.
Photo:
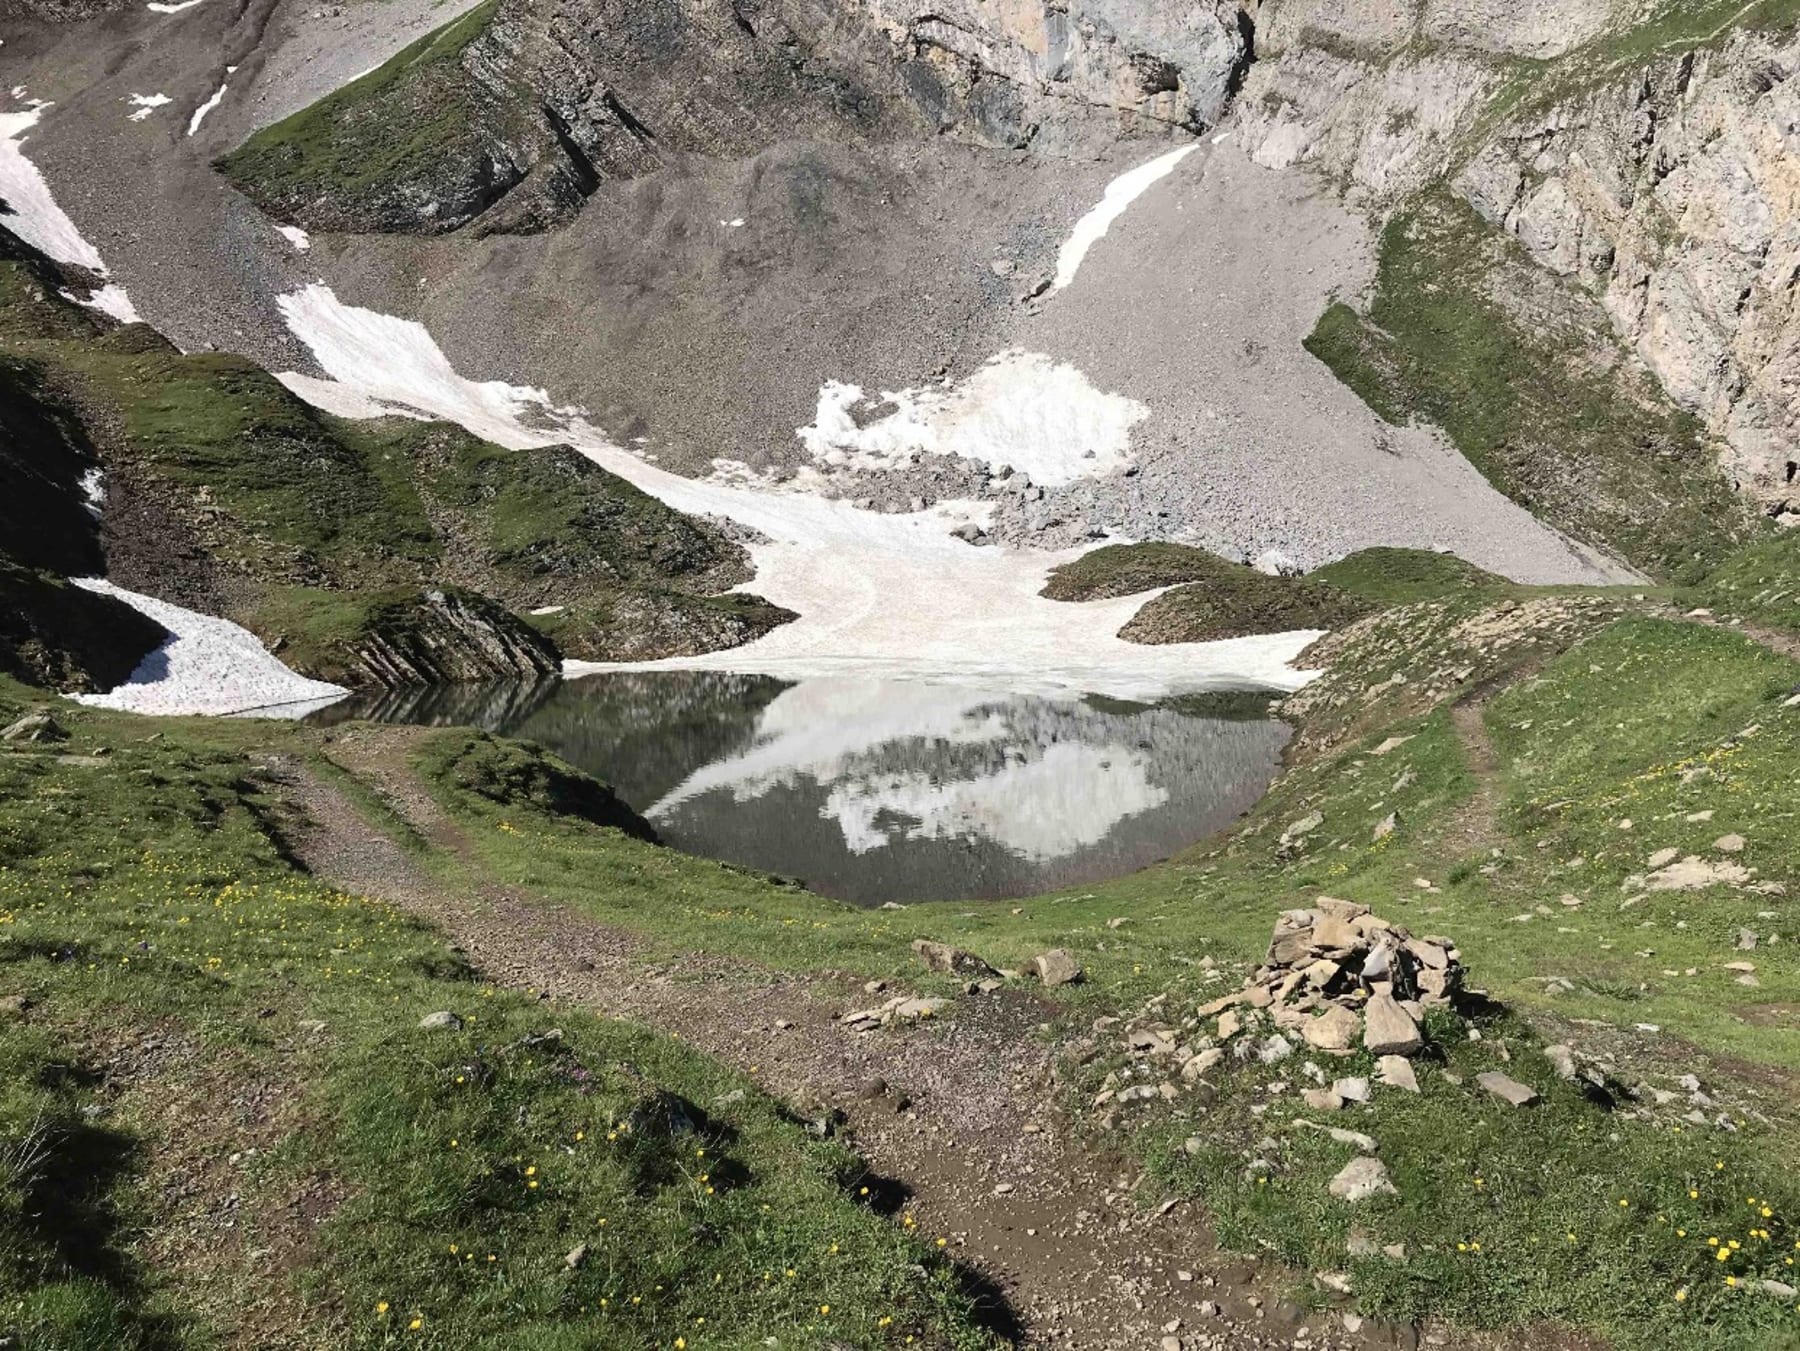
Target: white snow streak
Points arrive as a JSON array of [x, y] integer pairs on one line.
[[1120, 194], [158, 7], [880, 594], [1020, 409], [206, 665], [205, 108], [147, 103], [108, 299], [36, 218], [93, 491], [295, 236]]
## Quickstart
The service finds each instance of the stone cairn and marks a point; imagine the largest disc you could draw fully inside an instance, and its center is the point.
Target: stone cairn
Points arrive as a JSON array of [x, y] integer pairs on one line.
[[1337, 974]]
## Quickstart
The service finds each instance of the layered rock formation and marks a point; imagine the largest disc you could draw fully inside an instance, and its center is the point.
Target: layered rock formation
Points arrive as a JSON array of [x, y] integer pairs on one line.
[[517, 111], [1653, 159]]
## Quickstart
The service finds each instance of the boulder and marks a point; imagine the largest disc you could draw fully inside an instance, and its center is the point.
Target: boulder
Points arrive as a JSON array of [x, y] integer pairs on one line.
[[33, 727], [944, 957], [1056, 967], [441, 1021]]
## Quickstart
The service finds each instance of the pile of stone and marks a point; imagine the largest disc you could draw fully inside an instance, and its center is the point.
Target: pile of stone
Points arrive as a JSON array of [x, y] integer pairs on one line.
[[1339, 975]]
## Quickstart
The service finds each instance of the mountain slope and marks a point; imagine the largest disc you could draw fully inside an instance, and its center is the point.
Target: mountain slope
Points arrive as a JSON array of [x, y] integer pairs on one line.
[[390, 553]]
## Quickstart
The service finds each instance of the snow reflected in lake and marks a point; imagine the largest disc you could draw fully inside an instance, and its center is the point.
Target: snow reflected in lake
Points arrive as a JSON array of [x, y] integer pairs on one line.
[[879, 790]]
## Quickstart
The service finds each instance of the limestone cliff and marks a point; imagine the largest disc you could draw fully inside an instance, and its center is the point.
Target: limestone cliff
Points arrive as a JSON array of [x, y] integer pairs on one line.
[[1649, 157]]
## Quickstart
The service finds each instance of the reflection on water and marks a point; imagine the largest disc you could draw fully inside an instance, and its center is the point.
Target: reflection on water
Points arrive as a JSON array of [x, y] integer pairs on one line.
[[874, 790]]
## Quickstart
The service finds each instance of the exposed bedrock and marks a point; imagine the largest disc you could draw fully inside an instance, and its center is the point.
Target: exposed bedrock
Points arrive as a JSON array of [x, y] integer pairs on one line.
[[1653, 160]]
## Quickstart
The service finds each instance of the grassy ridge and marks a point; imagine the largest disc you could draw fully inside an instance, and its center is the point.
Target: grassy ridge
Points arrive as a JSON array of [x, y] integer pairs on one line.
[[389, 150], [221, 1117], [323, 532]]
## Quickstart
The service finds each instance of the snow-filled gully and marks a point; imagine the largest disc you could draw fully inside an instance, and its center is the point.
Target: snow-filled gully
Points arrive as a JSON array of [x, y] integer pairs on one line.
[[877, 594]]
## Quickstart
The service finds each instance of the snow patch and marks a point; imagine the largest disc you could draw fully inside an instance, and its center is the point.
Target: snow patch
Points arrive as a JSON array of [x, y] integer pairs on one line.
[[1020, 409], [93, 491], [35, 217], [206, 665], [548, 610], [147, 103], [205, 108], [1119, 195], [737, 224], [158, 7], [878, 594], [108, 299], [295, 236]]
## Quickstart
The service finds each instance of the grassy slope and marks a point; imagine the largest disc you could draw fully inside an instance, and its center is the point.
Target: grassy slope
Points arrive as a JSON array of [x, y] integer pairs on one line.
[[1760, 584], [219, 1116], [1211, 597], [323, 525], [1605, 461], [374, 152], [1605, 735]]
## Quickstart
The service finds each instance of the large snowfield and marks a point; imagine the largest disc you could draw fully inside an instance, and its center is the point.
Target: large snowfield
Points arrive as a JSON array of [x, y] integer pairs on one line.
[[895, 595]]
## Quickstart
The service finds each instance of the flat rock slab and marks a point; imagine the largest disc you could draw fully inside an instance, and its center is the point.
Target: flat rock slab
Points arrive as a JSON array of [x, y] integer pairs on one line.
[[1360, 1179], [1506, 1089]]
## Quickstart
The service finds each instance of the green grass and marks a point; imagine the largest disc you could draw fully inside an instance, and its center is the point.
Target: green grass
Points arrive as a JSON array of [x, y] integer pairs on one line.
[[1760, 584], [1612, 463], [207, 1023], [1212, 597], [415, 129], [1390, 576], [1126, 569]]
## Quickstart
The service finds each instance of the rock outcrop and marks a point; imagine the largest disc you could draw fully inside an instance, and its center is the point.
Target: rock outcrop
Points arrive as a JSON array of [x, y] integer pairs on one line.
[[524, 107], [1664, 177]]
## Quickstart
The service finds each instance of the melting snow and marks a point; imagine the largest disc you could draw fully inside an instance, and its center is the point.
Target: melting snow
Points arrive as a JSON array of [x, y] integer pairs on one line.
[[108, 299], [147, 103], [35, 217], [93, 491], [158, 7], [1120, 194], [205, 108], [1020, 409], [206, 665], [295, 236], [877, 594]]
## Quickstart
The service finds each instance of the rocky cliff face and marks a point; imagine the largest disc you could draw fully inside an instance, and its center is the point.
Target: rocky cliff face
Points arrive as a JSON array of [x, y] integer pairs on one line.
[[518, 110], [1650, 158]]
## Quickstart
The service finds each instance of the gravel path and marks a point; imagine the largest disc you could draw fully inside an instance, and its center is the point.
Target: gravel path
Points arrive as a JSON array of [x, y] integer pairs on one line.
[[958, 1116]]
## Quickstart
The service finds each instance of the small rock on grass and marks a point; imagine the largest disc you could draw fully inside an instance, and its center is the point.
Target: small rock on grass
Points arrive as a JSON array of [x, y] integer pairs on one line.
[[944, 957], [1562, 1060], [1507, 1089], [1056, 967], [1396, 1071], [441, 1021], [1362, 1178]]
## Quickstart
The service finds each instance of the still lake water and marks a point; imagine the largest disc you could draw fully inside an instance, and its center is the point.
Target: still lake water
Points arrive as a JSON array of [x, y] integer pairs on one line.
[[879, 790]]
